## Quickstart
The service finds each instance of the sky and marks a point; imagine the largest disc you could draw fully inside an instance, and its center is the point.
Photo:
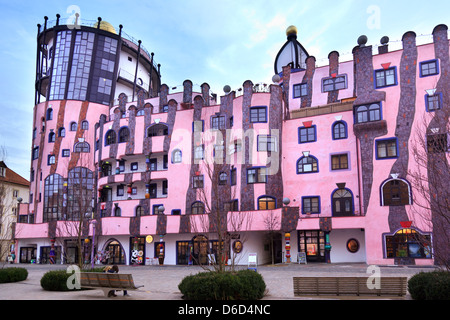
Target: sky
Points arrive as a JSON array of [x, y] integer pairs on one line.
[[217, 42]]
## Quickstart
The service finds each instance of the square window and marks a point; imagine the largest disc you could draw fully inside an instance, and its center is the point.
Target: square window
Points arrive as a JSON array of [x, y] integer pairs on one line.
[[386, 149], [429, 68], [433, 102], [385, 77], [310, 205], [197, 181], [218, 122], [258, 114], [300, 90], [267, 143], [306, 134], [66, 153], [134, 166], [339, 161], [256, 175], [120, 190]]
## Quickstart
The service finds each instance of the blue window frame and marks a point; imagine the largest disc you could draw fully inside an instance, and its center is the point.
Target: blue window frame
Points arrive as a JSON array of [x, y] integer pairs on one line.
[[429, 68], [308, 164], [267, 203], [198, 126], [386, 148], [258, 114], [433, 102], [332, 84], [307, 134], [385, 77], [66, 153], [311, 204], [339, 130], [300, 90]]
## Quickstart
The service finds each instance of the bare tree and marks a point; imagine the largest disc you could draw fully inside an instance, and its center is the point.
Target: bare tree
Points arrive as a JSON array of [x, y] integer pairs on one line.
[[272, 225]]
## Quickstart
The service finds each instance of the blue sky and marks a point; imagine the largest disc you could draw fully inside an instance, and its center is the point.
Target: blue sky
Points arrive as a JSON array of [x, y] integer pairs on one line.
[[218, 42]]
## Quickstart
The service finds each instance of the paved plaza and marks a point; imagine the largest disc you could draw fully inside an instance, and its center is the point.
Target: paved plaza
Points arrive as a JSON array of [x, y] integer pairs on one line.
[[161, 282]]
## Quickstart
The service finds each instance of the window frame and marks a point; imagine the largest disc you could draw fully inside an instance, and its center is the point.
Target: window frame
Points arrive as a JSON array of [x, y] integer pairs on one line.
[[300, 129], [314, 161], [334, 83], [197, 205], [333, 131], [310, 198], [218, 122], [258, 118], [340, 155], [270, 143], [437, 95], [299, 90], [427, 63], [386, 202], [368, 112], [384, 73], [198, 181], [260, 175], [110, 137], [272, 200]]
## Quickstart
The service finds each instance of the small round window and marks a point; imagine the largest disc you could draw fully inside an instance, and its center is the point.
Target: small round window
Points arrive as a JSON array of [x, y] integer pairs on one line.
[[352, 245]]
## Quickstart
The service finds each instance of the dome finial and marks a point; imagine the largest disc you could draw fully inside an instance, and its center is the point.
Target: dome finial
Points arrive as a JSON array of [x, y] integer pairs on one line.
[[291, 31]]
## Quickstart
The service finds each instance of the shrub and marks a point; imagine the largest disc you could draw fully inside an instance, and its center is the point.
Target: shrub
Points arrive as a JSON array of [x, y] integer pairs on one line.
[[433, 285], [241, 285], [13, 274], [56, 280]]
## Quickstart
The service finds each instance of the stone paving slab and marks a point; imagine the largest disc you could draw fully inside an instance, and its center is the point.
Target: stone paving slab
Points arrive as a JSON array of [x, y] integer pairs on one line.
[[161, 282]]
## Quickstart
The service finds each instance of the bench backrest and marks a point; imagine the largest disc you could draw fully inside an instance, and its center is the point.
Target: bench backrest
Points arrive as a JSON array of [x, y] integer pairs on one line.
[[106, 280]]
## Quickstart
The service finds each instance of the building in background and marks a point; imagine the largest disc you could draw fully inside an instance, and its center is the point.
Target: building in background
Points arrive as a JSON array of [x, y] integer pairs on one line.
[[319, 163], [13, 189]]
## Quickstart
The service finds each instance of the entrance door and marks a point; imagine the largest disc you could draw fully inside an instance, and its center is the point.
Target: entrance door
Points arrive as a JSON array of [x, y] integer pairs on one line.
[[313, 243], [27, 254], [116, 254], [200, 250], [183, 252]]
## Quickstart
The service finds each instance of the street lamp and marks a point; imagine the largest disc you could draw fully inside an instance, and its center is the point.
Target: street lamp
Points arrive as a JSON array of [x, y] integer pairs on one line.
[[93, 222]]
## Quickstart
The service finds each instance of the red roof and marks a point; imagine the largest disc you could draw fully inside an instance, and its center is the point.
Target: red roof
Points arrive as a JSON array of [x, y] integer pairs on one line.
[[12, 177]]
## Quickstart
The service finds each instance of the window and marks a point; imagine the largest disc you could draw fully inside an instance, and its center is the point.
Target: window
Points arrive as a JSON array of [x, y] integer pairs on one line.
[[140, 112], [120, 190], [73, 126], [80, 192], [352, 245], [197, 181], [117, 212], [408, 243], [66, 153], [306, 134], [256, 175], [53, 197], [165, 108], [331, 84], [232, 205], [368, 113], [84, 125], [51, 137], [51, 159], [139, 211], [81, 147], [342, 203], [429, 68], [176, 212], [198, 208], [267, 143], [124, 134], [310, 204], [307, 165], [165, 187], [35, 153], [300, 90], [49, 114], [386, 148], [218, 122], [437, 143], [339, 161], [133, 166], [199, 152], [62, 132], [266, 203], [433, 102], [233, 176], [385, 77], [395, 192], [110, 137], [176, 156], [258, 114], [134, 191], [223, 178], [339, 130], [198, 126], [159, 129]]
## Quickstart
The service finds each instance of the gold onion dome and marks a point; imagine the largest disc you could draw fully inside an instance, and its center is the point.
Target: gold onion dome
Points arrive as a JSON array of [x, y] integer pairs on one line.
[[104, 25], [291, 30]]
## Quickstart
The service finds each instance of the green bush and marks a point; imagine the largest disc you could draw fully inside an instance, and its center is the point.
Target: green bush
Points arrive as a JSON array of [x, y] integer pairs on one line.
[[433, 285], [56, 280], [13, 274], [241, 285]]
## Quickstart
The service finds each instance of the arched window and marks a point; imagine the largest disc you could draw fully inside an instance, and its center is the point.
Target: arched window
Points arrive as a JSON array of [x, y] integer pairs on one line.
[[110, 137], [85, 125], [51, 159], [53, 197], [73, 126], [408, 243], [80, 193], [139, 211], [140, 112], [307, 165], [368, 113], [159, 129], [223, 178], [62, 132], [176, 156], [81, 147], [198, 208], [395, 192], [117, 212], [49, 114], [51, 137], [342, 203], [266, 203], [124, 134], [339, 130]]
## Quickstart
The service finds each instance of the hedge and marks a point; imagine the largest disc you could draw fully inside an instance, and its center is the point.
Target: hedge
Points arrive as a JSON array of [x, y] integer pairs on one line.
[[433, 285], [240, 285], [56, 280], [13, 274]]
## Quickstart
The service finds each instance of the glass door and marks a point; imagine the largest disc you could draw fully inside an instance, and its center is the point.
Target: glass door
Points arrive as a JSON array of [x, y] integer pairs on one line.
[[184, 252], [312, 242]]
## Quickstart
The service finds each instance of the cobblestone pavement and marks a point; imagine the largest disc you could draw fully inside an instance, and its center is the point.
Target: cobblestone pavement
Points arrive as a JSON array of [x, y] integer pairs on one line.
[[161, 282]]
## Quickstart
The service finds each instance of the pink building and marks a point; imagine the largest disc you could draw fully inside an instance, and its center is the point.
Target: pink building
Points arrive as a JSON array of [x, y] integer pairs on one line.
[[320, 160]]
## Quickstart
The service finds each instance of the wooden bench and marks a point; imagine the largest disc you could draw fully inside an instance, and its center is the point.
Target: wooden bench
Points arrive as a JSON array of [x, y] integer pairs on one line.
[[107, 281], [389, 286]]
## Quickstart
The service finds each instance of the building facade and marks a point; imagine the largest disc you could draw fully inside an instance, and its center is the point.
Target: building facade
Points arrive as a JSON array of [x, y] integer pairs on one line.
[[318, 164]]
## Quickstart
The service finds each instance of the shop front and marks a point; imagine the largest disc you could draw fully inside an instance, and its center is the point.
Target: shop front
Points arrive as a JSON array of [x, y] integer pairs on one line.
[[312, 242]]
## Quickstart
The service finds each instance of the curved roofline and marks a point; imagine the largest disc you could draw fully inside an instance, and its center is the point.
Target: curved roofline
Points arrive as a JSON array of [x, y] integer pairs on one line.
[[295, 41]]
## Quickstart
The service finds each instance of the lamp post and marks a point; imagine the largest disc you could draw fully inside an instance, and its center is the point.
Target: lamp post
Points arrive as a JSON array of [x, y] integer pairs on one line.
[[93, 222]]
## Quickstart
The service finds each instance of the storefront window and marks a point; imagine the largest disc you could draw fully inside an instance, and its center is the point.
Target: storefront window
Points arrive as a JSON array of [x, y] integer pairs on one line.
[[408, 243], [137, 255]]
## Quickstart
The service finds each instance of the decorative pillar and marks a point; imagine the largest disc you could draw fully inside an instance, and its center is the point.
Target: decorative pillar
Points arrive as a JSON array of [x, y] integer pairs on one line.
[[287, 237]]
